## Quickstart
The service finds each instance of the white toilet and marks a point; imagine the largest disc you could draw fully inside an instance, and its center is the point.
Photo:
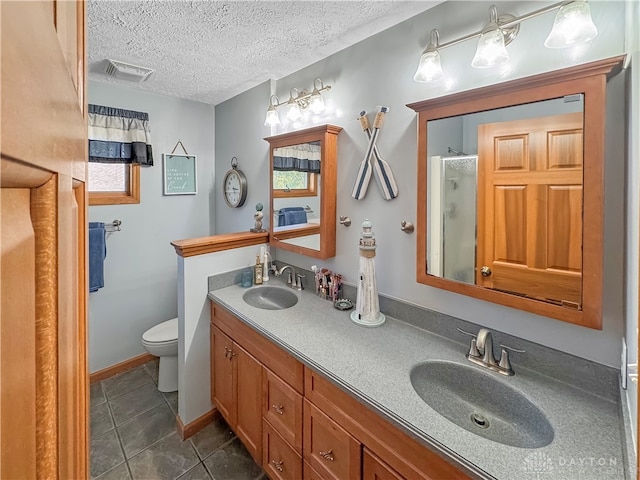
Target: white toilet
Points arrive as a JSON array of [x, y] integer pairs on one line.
[[162, 341]]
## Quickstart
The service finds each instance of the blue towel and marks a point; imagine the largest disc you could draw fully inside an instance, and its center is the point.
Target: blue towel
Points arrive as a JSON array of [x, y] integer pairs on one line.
[[97, 254], [291, 216]]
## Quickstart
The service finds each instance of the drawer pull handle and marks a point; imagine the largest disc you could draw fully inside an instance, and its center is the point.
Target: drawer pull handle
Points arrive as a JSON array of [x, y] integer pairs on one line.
[[327, 455], [278, 408], [227, 351], [278, 465], [232, 354]]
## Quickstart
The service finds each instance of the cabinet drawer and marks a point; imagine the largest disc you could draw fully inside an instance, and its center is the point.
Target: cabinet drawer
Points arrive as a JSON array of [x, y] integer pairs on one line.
[[310, 473], [280, 461], [282, 408], [375, 469], [328, 448]]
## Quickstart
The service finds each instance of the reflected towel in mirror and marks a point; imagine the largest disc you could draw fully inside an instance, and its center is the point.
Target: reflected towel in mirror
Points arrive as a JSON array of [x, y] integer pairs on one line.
[[291, 216]]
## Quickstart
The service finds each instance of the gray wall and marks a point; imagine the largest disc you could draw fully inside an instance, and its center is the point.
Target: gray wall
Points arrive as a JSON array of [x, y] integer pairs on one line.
[[239, 133], [379, 70], [140, 268]]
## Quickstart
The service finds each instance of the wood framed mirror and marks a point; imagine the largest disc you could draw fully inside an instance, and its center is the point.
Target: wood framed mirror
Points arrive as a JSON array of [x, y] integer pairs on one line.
[[302, 191], [510, 192]]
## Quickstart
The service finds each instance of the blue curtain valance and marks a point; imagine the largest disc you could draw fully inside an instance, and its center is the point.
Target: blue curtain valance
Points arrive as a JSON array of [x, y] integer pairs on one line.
[[298, 158], [119, 136]]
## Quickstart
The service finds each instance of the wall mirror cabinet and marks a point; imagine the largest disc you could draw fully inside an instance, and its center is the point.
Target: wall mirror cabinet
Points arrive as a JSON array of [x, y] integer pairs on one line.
[[303, 166], [510, 192]]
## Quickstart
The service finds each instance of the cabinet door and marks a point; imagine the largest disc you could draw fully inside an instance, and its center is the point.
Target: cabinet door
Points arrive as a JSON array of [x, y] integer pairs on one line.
[[223, 384], [249, 396], [375, 469], [328, 448]]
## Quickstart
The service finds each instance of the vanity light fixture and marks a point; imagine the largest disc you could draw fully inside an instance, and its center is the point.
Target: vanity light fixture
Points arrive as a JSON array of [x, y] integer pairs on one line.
[[492, 46], [429, 68], [272, 118], [298, 101], [572, 25]]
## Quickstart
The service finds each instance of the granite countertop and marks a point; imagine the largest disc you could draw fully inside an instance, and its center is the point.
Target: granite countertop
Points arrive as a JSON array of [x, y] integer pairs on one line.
[[374, 364]]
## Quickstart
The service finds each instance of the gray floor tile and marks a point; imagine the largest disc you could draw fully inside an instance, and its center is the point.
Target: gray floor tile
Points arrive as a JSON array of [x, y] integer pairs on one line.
[[125, 382], [105, 453], [167, 459], [96, 395], [100, 420], [121, 472], [133, 403], [196, 473], [146, 429], [211, 437], [172, 399], [232, 462], [152, 369]]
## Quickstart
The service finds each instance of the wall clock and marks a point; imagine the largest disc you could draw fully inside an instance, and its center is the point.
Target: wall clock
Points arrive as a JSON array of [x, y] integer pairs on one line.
[[234, 186]]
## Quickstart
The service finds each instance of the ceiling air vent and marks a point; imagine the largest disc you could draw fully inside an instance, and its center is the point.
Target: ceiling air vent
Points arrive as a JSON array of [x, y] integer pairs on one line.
[[126, 71]]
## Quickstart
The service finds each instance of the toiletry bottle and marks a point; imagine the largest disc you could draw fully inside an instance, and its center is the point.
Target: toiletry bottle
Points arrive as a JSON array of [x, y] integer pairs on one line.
[[265, 265], [257, 270]]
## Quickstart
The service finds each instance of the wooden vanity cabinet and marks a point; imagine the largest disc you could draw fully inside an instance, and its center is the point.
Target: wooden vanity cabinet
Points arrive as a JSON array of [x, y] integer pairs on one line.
[[237, 390], [297, 424]]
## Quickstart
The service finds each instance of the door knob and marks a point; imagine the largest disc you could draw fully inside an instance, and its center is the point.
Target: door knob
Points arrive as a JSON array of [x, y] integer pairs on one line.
[[485, 271]]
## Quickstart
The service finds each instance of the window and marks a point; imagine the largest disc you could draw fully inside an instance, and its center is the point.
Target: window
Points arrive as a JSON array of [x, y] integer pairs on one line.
[[113, 183], [294, 184]]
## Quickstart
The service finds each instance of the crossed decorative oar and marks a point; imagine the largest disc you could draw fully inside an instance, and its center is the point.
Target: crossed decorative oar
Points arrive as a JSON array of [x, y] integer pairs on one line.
[[381, 169]]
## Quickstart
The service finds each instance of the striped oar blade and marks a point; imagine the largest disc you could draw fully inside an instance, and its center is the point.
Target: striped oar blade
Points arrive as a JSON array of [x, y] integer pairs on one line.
[[364, 171]]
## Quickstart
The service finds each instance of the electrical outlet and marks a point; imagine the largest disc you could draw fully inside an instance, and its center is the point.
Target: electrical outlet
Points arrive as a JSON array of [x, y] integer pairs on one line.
[[623, 365]]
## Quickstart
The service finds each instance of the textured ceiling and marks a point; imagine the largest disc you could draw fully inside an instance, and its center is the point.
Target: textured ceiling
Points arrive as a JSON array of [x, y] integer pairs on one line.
[[209, 51]]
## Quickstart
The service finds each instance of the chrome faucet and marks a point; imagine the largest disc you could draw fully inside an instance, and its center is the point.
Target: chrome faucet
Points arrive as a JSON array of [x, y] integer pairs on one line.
[[481, 353], [291, 274], [484, 344]]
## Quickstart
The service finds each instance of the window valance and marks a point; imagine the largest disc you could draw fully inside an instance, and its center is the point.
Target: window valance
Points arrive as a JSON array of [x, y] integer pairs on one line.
[[119, 136], [298, 158]]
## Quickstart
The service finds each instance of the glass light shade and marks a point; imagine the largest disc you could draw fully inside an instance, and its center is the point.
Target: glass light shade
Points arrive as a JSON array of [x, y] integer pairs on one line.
[[491, 50], [272, 118], [429, 68], [293, 112], [316, 103], [572, 25]]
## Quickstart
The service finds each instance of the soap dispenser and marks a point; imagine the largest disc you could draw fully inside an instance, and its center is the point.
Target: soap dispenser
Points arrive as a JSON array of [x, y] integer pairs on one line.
[[257, 271]]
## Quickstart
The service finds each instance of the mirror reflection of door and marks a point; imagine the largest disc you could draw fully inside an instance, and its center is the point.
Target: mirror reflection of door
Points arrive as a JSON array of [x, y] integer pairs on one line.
[[530, 208], [505, 199]]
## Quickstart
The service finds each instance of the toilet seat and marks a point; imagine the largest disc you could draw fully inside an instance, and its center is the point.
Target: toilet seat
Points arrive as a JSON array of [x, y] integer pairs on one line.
[[163, 333]]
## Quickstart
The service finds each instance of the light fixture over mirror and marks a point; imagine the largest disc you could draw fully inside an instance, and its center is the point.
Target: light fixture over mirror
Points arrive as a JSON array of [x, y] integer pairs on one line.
[[429, 69], [572, 25], [492, 46], [298, 101]]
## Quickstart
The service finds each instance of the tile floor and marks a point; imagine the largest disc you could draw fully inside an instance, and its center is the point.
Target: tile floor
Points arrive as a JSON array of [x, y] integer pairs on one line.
[[133, 436]]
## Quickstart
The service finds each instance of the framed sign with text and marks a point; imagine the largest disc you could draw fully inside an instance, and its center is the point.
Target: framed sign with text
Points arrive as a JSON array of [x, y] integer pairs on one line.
[[180, 174]]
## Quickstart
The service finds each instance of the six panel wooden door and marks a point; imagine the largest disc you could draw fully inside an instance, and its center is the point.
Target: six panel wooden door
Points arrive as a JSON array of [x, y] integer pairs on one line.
[[530, 207]]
